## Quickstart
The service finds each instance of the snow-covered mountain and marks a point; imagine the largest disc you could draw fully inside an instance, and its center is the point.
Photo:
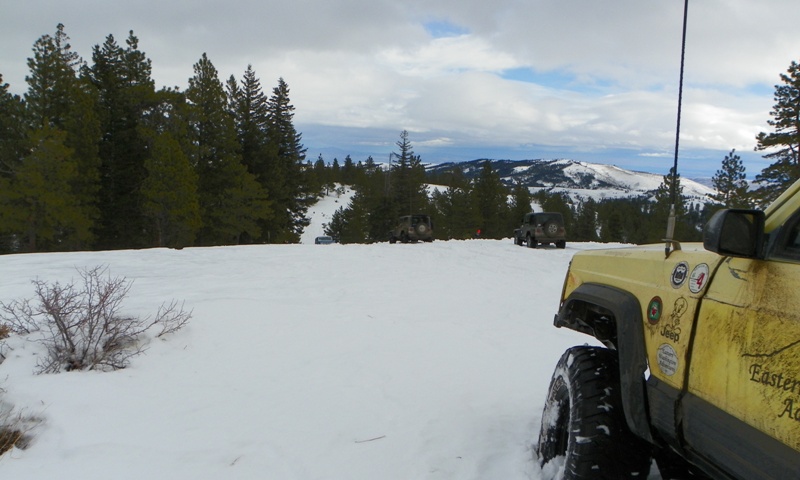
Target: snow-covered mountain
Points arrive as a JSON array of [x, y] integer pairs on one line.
[[578, 179]]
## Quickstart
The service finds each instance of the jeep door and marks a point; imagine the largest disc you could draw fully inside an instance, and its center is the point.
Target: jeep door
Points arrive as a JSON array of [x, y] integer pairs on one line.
[[742, 410]]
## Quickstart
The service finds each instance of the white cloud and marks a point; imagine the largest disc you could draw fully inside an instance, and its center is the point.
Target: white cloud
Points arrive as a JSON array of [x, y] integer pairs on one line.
[[604, 75]]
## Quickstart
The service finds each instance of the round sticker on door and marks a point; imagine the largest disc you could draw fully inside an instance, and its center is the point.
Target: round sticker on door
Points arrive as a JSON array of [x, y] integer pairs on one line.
[[654, 310], [698, 278], [679, 274], [667, 359]]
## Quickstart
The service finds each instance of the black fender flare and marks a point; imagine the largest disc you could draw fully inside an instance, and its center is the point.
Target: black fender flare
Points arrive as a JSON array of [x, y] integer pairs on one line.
[[630, 346]]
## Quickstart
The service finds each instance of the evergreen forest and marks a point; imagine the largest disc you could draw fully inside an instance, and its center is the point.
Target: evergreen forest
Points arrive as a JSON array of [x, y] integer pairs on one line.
[[94, 157]]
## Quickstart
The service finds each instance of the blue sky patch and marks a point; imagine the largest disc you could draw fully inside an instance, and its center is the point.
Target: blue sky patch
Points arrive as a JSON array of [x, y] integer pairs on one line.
[[554, 79], [443, 29]]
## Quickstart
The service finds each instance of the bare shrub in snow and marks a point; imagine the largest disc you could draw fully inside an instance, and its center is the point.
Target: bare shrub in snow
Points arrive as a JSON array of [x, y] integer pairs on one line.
[[10, 431], [15, 428], [81, 325]]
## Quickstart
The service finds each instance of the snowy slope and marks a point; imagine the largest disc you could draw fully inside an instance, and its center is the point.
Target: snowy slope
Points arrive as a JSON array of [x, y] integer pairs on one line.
[[304, 362], [320, 213], [580, 180]]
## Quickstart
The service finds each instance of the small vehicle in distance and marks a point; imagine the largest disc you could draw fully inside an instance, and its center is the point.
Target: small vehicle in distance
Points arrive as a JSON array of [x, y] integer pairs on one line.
[[542, 228], [324, 240], [412, 228]]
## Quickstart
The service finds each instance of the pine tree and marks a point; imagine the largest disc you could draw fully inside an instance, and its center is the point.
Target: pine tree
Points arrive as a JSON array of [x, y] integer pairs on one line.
[[455, 212], [491, 200], [584, 228], [51, 79], [37, 203], [170, 194], [520, 205], [784, 142], [12, 130], [407, 179], [684, 225], [322, 174], [56, 96], [336, 171], [126, 94], [730, 183], [231, 200], [284, 172], [348, 171], [248, 105]]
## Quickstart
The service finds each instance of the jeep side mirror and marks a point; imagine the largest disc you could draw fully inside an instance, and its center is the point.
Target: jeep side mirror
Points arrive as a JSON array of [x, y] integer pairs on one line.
[[736, 233]]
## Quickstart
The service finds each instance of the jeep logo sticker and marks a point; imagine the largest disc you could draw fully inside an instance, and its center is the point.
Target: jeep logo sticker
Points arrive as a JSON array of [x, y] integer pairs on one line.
[[679, 274], [698, 278], [667, 359]]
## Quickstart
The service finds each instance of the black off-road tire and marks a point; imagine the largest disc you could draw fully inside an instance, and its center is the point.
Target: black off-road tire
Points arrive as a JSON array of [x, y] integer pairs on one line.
[[584, 424], [561, 244], [530, 241]]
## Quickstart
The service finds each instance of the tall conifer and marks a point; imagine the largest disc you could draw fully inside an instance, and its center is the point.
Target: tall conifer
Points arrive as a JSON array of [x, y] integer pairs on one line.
[[231, 200], [126, 93], [783, 144], [58, 97], [283, 172], [730, 183]]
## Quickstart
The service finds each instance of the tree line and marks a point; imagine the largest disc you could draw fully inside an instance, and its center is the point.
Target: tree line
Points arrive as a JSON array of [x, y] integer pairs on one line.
[[486, 207], [92, 156]]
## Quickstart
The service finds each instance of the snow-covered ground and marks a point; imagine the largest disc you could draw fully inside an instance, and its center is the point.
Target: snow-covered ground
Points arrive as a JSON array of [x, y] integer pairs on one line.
[[301, 362]]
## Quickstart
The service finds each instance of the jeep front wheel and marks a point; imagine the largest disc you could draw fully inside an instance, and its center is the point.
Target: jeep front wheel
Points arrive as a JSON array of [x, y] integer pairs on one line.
[[584, 434]]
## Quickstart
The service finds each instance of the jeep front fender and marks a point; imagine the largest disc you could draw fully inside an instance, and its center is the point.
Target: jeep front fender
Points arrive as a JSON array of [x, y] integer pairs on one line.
[[628, 340]]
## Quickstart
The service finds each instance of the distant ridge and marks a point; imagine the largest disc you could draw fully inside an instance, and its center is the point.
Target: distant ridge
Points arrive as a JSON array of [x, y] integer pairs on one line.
[[577, 179]]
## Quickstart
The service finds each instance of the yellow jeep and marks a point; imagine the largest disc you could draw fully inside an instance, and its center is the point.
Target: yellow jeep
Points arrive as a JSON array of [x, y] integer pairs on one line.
[[701, 365]]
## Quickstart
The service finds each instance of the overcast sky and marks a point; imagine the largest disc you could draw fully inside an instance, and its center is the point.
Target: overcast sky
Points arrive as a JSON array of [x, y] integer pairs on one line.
[[590, 80]]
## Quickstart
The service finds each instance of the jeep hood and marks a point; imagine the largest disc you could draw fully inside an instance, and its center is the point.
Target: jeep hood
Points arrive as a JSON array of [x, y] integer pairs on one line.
[[642, 267]]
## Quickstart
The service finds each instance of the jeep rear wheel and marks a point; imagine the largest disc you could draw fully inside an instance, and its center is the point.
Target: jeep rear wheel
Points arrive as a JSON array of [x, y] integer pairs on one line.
[[551, 229], [531, 242], [584, 434]]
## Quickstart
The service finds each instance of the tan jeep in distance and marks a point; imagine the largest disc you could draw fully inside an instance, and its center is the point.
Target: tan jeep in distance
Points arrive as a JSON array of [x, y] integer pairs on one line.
[[412, 228], [700, 367]]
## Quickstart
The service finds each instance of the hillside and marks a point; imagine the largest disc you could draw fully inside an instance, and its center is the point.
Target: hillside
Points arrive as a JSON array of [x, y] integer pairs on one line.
[[577, 179]]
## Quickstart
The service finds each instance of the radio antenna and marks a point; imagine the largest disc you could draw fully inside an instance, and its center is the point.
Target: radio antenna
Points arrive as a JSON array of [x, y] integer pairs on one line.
[[674, 173]]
